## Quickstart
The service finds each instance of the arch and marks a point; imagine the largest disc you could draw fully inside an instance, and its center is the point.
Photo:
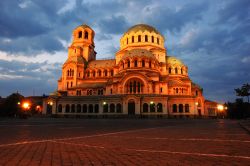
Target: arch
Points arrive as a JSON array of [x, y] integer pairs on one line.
[[135, 63], [105, 108], [112, 108], [133, 39], [67, 108], [86, 35], [174, 107], [152, 39], [158, 41], [180, 108], [143, 63], [176, 70], [90, 108], [128, 63], [134, 85], [59, 109], [152, 107], [73, 108], [99, 73], [150, 64], [146, 38], [118, 108], [84, 108], [159, 107], [186, 107], [169, 70], [80, 34], [145, 107], [96, 108], [131, 107], [139, 38], [93, 73], [78, 108], [111, 72], [105, 73], [125, 82]]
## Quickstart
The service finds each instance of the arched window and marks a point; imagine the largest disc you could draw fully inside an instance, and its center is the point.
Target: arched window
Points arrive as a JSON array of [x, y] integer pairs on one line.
[[67, 108], [59, 109], [158, 41], [105, 73], [134, 86], [68, 73], [84, 108], [128, 63], [90, 108], [176, 90], [181, 71], [80, 34], [112, 108], [174, 108], [139, 38], [146, 38], [145, 107], [93, 73], [143, 63], [152, 107], [78, 108], [96, 108], [127, 40], [169, 70], [86, 35], [149, 64], [88, 73], [105, 108], [133, 39], [73, 108], [99, 73], [135, 63], [152, 39], [111, 91], [181, 108], [159, 107], [111, 72], [186, 107], [118, 108], [176, 70]]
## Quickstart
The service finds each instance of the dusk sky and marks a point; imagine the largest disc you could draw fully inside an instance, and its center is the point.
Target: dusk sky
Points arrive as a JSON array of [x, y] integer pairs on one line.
[[211, 37]]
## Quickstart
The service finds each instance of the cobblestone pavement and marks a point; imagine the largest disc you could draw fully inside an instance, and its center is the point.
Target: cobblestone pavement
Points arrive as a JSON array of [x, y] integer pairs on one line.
[[123, 142]]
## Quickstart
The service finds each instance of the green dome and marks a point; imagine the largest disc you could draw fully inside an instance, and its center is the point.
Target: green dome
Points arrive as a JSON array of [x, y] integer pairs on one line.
[[173, 60], [142, 27]]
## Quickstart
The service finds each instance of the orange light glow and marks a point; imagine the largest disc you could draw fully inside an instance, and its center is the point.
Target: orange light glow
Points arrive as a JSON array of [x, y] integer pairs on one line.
[[26, 105], [220, 107]]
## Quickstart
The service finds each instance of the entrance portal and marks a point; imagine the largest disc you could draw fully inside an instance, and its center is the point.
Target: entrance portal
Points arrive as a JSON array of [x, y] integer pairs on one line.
[[131, 107]]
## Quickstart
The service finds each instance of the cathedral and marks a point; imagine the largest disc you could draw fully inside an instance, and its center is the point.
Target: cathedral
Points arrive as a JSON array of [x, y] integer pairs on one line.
[[141, 80]]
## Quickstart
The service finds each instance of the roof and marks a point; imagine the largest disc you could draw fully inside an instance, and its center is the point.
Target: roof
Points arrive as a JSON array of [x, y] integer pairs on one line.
[[84, 26], [101, 63], [78, 59], [138, 53], [142, 27], [173, 60], [91, 85]]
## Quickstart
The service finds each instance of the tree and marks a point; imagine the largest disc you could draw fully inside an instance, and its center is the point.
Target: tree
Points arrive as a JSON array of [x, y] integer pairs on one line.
[[244, 91], [11, 106]]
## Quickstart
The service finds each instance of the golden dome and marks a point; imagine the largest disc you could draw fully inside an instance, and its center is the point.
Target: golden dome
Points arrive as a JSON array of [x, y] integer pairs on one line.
[[173, 60], [142, 27]]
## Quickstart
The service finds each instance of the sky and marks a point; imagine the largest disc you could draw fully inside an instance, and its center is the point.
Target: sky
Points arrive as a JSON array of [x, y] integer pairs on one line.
[[211, 37]]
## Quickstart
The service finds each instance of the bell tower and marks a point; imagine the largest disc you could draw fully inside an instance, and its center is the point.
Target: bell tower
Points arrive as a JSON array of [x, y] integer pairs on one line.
[[83, 43]]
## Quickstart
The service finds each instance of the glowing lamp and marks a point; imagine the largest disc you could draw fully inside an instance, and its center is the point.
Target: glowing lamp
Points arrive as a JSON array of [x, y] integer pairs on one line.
[[26, 105], [220, 107], [196, 103], [151, 102], [104, 103]]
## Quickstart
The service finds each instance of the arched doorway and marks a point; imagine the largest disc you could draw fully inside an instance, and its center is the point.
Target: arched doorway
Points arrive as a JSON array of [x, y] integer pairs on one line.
[[131, 107]]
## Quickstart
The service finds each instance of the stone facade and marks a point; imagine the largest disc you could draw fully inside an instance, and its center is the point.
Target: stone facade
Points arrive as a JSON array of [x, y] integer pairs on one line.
[[142, 79]]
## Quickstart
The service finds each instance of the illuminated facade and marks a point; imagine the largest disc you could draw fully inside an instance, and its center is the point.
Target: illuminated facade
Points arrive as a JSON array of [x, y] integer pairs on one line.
[[142, 79]]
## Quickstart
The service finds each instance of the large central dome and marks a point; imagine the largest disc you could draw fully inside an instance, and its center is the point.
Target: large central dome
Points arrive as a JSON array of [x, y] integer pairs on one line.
[[142, 27]]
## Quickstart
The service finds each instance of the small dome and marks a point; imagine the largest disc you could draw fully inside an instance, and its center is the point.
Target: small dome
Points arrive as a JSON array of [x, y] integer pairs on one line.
[[173, 60], [138, 53], [142, 27]]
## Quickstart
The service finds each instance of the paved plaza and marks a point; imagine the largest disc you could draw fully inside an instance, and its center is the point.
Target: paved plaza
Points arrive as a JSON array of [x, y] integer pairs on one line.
[[47, 141]]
